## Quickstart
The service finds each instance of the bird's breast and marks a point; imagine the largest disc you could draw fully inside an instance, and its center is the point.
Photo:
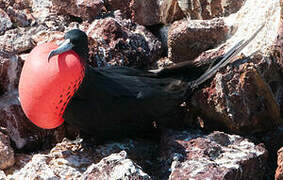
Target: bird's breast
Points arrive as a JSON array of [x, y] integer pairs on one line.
[[46, 87]]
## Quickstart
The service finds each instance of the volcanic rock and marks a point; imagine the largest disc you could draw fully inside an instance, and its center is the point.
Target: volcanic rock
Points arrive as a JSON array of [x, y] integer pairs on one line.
[[145, 12], [121, 42], [115, 166], [79, 159], [241, 96], [19, 17], [209, 9], [86, 10], [214, 156], [170, 11], [279, 170], [122, 5], [2, 175], [5, 21], [187, 39], [240, 100], [6, 152]]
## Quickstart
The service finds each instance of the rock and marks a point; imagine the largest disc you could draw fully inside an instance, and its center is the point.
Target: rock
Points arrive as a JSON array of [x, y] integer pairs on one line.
[[5, 22], [240, 100], [37, 168], [11, 66], [273, 141], [123, 5], [2, 175], [187, 39], [120, 42], [279, 170], [209, 9], [17, 40], [78, 158], [86, 10], [241, 97], [214, 156], [115, 166], [19, 17], [145, 12], [6, 152], [170, 11]]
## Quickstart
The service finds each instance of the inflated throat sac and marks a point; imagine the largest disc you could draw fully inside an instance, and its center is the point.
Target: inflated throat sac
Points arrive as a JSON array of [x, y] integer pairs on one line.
[[46, 87]]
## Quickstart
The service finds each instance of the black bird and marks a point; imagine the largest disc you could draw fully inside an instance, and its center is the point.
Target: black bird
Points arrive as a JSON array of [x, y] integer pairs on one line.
[[115, 101]]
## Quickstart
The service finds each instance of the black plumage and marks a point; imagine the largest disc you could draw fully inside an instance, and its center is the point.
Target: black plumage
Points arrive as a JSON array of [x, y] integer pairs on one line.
[[116, 102]]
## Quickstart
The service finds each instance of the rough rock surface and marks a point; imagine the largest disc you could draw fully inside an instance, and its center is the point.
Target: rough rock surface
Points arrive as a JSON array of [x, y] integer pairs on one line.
[[122, 5], [115, 166], [279, 170], [244, 97], [240, 100], [87, 10], [121, 42], [6, 153], [246, 93], [5, 21], [145, 12], [170, 11], [2, 175], [187, 39], [76, 159], [214, 156], [209, 9]]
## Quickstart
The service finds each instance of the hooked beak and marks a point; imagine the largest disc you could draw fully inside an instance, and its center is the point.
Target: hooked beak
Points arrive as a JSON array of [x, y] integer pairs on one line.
[[65, 46]]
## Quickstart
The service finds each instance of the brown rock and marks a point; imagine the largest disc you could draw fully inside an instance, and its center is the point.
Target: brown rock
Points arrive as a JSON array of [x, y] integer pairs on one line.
[[278, 48], [145, 12], [187, 39], [238, 99], [19, 17], [120, 42], [78, 158], [245, 95], [115, 166], [273, 141], [170, 11], [123, 5], [17, 40], [279, 170], [2, 175], [6, 152], [209, 9], [215, 156], [11, 66], [5, 22], [87, 10]]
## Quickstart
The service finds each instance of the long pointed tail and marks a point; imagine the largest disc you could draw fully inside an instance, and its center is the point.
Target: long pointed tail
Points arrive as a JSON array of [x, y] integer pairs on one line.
[[228, 57]]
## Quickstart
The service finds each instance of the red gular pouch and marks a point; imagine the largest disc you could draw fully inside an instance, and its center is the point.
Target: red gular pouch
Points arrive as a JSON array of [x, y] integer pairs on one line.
[[46, 87]]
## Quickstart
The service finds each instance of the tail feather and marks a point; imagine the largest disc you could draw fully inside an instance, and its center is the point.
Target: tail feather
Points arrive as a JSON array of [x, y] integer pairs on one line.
[[211, 71], [228, 57]]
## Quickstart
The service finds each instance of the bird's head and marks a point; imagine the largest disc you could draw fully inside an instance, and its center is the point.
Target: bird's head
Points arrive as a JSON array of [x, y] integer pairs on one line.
[[75, 40], [50, 77]]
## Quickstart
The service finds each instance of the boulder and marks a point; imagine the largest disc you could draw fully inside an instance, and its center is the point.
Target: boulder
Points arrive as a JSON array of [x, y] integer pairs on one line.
[[193, 155], [5, 22], [115, 166], [245, 96], [86, 10], [279, 170], [209, 9], [118, 41], [6, 152], [188, 39]]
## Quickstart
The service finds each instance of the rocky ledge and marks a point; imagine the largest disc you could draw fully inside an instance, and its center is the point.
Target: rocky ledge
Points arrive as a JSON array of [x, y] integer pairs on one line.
[[232, 126]]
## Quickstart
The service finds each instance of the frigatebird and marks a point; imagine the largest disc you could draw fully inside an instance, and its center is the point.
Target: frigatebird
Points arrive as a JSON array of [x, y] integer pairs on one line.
[[57, 85]]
